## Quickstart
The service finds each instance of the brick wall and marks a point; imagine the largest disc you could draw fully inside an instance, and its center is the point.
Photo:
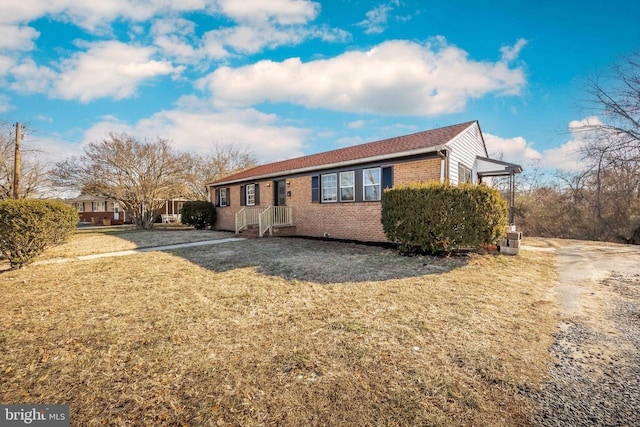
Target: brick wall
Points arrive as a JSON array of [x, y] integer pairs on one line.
[[226, 217], [356, 220], [419, 171]]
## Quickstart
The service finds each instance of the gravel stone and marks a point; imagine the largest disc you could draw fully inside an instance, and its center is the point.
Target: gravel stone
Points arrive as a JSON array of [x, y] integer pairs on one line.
[[595, 380]]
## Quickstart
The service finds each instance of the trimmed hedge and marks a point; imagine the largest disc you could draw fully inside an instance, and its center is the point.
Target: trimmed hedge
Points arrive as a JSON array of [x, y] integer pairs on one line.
[[29, 226], [199, 213], [437, 217]]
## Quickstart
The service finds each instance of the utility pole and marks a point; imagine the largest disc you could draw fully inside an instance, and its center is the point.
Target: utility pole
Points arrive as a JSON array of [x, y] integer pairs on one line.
[[16, 164]]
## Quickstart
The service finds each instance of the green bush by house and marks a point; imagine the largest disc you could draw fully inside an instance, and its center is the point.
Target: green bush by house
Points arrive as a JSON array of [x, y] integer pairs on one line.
[[438, 217], [29, 226], [199, 213]]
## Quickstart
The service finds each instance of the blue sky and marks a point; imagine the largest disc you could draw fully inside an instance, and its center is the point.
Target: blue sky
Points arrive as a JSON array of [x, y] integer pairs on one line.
[[286, 78]]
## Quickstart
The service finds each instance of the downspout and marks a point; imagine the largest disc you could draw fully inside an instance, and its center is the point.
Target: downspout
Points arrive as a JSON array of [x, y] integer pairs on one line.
[[444, 165]]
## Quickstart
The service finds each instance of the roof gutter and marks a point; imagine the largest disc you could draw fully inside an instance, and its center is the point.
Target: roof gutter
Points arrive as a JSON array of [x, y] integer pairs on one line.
[[436, 148]]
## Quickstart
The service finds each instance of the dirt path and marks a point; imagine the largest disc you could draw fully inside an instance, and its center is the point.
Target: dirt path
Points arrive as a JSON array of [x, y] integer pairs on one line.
[[595, 379]]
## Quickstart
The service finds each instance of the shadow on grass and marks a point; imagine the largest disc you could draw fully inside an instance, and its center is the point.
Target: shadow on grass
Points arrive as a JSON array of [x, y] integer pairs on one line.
[[316, 260]]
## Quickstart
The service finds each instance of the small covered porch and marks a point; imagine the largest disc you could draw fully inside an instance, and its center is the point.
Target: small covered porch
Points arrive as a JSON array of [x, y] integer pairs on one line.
[[488, 168]]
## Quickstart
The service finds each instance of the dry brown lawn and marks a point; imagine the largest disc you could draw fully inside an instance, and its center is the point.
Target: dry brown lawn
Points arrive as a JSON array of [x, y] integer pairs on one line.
[[278, 332]]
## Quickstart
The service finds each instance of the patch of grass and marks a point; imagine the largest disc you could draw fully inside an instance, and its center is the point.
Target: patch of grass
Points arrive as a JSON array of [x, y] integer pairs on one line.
[[279, 332], [96, 241]]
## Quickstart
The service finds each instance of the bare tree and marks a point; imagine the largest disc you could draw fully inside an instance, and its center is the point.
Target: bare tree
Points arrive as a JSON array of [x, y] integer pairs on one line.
[[139, 175], [34, 174], [615, 95], [612, 151], [222, 161]]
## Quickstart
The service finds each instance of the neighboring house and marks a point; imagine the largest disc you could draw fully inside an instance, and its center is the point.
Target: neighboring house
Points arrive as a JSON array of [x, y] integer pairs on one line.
[[337, 193], [105, 211], [171, 211], [98, 210]]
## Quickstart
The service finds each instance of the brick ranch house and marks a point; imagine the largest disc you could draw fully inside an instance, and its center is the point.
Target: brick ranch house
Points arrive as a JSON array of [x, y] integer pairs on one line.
[[100, 210], [336, 194]]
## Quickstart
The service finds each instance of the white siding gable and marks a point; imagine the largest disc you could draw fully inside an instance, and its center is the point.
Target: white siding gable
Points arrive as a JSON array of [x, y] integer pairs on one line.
[[465, 148]]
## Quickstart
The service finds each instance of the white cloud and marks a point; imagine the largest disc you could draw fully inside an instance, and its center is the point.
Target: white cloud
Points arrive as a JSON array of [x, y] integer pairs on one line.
[[198, 130], [29, 77], [394, 78], [6, 63], [19, 38], [568, 156], [376, 21], [565, 157], [283, 12], [356, 124], [5, 103], [51, 149], [350, 141], [513, 150], [108, 69], [176, 38], [43, 118], [95, 15], [510, 53], [259, 24], [576, 126]]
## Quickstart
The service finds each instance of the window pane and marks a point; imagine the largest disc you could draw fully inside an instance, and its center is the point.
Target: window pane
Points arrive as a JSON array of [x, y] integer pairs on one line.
[[371, 176], [347, 194], [329, 188], [347, 179], [251, 194], [371, 184], [371, 192], [347, 186]]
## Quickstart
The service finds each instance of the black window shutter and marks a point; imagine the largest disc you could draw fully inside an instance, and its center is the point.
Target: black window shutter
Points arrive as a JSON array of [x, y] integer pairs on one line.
[[359, 185], [217, 201], [243, 196], [257, 194], [228, 190], [387, 177], [315, 189]]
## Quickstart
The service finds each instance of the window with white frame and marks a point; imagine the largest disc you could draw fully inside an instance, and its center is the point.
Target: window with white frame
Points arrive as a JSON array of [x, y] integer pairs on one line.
[[329, 187], [371, 184], [222, 197], [79, 206], [251, 194], [347, 186], [464, 174], [97, 206]]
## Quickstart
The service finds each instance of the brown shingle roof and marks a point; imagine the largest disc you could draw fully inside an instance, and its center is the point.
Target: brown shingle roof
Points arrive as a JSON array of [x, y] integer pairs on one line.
[[396, 145]]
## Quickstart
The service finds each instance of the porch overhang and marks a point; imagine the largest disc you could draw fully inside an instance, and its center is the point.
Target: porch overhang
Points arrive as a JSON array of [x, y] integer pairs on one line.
[[486, 168]]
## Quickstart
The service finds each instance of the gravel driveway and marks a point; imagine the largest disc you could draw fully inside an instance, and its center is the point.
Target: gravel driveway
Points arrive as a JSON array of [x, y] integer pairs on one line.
[[595, 380]]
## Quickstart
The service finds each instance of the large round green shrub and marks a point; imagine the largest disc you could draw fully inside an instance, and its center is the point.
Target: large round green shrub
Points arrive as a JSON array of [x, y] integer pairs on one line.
[[29, 226], [199, 213], [438, 217]]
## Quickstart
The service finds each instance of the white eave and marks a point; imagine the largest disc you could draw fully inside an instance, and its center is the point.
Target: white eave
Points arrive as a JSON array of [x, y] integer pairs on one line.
[[490, 167]]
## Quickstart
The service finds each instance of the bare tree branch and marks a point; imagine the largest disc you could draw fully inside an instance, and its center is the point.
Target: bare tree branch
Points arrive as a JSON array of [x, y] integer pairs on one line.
[[139, 175], [222, 161]]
